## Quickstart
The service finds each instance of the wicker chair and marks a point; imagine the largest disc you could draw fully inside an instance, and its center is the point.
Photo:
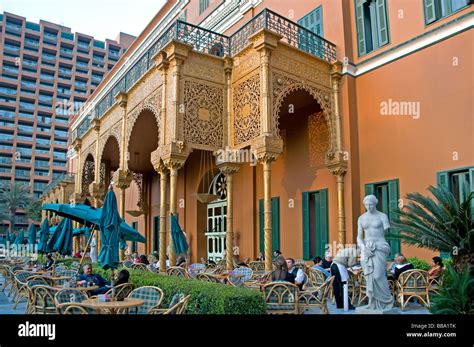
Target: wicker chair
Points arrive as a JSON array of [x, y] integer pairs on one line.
[[127, 264], [413, 284], [257, 266], [139, 266], [19, 290], [353, 287], [153, 296], [195, 269], [121, 291], [177, 271], [151, 268], [65, 297], [240, 277], [69, 308], [43, 300], [207, 278], [281, 297], [7, 274], [315, 278], [316, 297], [178, 305]]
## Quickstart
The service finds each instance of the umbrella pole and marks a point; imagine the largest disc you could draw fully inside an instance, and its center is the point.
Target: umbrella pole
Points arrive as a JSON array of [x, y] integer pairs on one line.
[[85, 249]]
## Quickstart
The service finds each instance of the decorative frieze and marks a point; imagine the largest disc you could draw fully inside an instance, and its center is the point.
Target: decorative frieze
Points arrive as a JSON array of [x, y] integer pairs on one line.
[[246, 103]]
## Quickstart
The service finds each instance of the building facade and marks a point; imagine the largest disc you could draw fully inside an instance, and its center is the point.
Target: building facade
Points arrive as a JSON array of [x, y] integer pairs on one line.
[[263, 124], [47, 73]]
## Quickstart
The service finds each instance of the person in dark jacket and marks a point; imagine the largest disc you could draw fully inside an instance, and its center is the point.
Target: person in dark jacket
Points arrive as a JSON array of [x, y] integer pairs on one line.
[[402, 266], [98, 280]]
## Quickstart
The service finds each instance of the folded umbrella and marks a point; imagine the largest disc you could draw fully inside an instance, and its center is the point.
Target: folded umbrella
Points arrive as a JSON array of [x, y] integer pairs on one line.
[[63, 244], [43, 238], [20, 238], [32, 234], [179, 239], [109, 233]]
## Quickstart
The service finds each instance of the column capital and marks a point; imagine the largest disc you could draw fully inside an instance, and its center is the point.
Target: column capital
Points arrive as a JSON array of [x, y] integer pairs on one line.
[[267, 148], [336, 70], [96, 124], [77, 145], [122, 178], [173, 155], [228, 64], [228, 168], [121, 99], [159, 166], [265, 40], [177, 52]]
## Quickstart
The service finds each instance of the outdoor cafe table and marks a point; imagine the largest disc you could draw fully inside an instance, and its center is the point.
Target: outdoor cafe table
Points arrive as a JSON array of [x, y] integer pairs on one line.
[[87, 290], [112, 306]]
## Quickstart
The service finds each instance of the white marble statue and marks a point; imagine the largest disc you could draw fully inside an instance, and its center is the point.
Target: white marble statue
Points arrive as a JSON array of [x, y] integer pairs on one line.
[[93, 252], [374, 252]]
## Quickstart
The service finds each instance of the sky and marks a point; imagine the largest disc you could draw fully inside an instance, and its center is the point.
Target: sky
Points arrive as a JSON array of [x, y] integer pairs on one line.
[[99, 18]]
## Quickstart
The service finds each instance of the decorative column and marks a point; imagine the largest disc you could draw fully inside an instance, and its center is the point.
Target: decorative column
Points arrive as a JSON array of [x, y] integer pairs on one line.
[[161, 168], [96, 188], [267, 149], [336, 160], [229, 169], [77, 179], [122, 181]]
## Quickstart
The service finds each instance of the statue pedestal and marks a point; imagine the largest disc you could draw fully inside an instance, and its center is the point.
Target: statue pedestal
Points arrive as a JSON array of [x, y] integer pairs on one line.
[[365, 310]]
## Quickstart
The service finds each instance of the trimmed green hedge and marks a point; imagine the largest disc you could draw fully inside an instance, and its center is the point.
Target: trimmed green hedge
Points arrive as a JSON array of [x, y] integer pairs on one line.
[[419, 264], [206, 297]]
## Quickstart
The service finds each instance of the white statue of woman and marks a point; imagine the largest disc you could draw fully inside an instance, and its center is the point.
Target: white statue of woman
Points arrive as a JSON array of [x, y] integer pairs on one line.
[[93, 253], [374, 252]]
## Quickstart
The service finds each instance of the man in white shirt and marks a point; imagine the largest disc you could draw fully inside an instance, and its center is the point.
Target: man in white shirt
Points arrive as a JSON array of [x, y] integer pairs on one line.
[[298, 273]]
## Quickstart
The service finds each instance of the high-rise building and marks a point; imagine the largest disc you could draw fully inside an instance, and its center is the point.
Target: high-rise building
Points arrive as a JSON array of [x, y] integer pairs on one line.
[[46, 74]]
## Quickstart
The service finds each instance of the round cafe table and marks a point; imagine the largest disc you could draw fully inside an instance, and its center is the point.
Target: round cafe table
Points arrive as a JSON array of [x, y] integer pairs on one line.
[[86, 290], [112, 306]]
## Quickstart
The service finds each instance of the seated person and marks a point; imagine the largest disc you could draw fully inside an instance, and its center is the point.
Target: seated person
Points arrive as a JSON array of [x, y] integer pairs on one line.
[[402, 266], [318, 265], [327, 261], [49, 262], [181, 261], [122, 277], [144, 259], [437, 267], [391, 269], [299, 275], [98, 280]]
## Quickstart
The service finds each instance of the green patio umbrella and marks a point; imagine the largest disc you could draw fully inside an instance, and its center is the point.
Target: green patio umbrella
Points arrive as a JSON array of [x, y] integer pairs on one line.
[[109, 233], [32, 234], [57, 231], [64, 242], [89, 216], [179, 239], [11, 237], [43, 237], [20, 238]]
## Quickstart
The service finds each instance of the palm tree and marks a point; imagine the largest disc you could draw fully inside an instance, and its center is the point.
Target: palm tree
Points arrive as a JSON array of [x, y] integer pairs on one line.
[[440, 224], [33, 210], [13, 197]]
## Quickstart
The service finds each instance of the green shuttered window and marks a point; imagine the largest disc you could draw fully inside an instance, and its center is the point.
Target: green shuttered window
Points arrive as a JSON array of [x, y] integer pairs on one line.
[[371, 25], [387, 194], [156, 233], [313, 21], [315, 223], [275, 202], [437, 9], [134, 243]]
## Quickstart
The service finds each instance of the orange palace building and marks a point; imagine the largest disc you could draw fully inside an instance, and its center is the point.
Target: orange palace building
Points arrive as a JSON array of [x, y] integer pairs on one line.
[[263, 124]]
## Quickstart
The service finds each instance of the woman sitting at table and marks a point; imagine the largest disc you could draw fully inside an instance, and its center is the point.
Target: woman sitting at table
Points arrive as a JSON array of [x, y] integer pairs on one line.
[[437, 267], [98, 280]]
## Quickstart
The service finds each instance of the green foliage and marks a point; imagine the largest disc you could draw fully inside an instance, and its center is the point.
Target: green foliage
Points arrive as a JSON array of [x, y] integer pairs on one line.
[[419, 264], [206, 297], [456, 294], [33, 210], [438, 224], [13, 196]]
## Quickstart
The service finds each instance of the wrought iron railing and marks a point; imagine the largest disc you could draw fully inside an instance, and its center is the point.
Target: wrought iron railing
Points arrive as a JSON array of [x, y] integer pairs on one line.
[[68, 177], [207, 41]]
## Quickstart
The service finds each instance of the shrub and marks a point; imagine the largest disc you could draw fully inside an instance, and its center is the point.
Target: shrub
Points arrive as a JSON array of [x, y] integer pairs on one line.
[[456, 294], [206, 297], [419, 264]]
